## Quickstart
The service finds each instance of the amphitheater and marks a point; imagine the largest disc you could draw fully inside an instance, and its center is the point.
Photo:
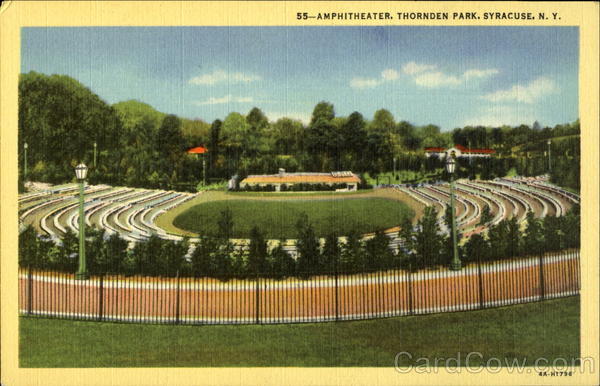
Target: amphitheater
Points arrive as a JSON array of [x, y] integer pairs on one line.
[[132, 213]]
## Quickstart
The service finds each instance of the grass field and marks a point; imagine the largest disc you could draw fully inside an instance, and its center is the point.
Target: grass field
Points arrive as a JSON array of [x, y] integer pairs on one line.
[[547, 329], [402, 176], [277, 218]]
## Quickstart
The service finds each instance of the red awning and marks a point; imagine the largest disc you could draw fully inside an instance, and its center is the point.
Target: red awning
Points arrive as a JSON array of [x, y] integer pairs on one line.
[[197, 150]]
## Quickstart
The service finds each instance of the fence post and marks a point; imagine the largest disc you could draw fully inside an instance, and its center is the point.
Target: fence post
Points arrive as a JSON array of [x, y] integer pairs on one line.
[[29, 291], [411, 311], [101, 299], [177, 301], [257, 305], [480, 276], [337, 312], [542, 284]]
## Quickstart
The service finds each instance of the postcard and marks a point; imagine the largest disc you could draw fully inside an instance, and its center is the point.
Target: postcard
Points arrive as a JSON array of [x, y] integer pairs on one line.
[[299, 193]]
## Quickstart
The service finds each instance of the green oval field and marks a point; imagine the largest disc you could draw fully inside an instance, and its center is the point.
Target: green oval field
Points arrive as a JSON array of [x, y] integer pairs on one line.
[[277, 218]]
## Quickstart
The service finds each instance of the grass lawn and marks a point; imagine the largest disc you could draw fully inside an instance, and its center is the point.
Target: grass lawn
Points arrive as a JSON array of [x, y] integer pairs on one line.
[[277, 218], [402, 176], [547, 329]]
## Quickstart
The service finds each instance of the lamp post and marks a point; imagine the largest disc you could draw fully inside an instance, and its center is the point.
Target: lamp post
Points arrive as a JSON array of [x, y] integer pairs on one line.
[[395, 159], [25, 146], [549, 163], [204, 168], [455, 264], [95, 151], [81, 174]]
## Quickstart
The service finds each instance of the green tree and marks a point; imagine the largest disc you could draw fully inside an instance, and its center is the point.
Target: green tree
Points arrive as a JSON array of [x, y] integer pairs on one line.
[[553, 233], [170, 146], [213, 147], [29, 248], [323, 111], [533, 237], [428, 240], [354, 139], [68, 259], [499, 241], [173, 256], [307, 245], [486, 215], [572, 227], [477, 249], [352, 253], [60, 119], [257, 253], [202, 259], [281, 263], [514, 238], [378, 252], [330, 255], [288, 136], [257, 120]]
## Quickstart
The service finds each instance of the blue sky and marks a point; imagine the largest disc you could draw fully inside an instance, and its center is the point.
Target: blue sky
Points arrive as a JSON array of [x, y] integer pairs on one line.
[[448, 76]]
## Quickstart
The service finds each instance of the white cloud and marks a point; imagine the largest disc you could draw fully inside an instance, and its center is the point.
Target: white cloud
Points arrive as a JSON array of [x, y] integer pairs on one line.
[[475, 73], [436, 79], [364, 83], [424, 75], [225, 99], [220, 76], [389, 74], [412, 68], [529, 93], [297, 115], [498, 116]]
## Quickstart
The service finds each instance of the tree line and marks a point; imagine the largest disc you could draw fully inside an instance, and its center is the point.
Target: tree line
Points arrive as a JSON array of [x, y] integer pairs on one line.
[[60, 120], [423, 246]]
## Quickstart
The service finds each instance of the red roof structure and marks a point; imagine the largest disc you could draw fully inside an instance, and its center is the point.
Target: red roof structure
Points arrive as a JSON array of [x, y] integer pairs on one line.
[[197, 150]]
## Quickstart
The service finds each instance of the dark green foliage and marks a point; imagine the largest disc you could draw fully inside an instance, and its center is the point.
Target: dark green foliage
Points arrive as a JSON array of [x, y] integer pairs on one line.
[[572, 228], [257, 252], [307, 245], [213, 148], [202, 259], [533, 237], [60, 119], [330, 255], [352, 256], [428, 242], [486, 215], [378, 254], [554, 239], [477, 249], [28, 248], [423, 247], [280, 262]]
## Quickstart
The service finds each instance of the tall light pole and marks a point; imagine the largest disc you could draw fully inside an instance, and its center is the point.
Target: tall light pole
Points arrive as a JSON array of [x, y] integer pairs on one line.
[[81, 174], [549, 163], [25, 146], [95, 151], [395, 159], [455, 264], [204, 168]]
